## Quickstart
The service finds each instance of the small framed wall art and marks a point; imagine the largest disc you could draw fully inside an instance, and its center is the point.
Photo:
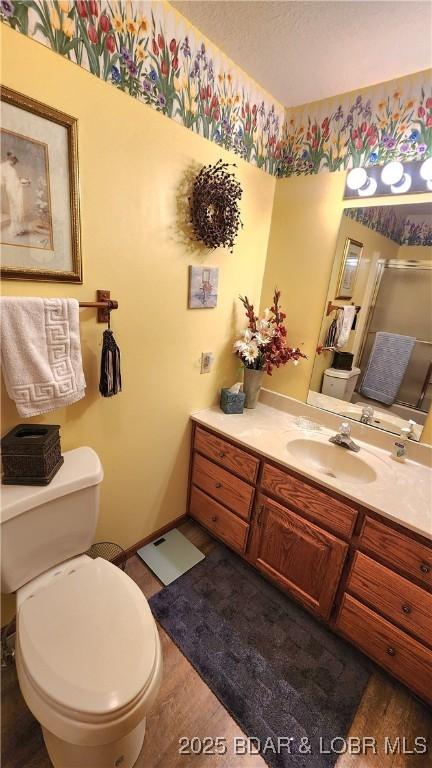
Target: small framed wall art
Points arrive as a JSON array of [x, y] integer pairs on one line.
[[203, 287], [39, 217], [349, 266]]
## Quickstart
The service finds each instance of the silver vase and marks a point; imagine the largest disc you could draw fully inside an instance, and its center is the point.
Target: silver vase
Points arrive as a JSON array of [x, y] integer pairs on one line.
[[252, 382]]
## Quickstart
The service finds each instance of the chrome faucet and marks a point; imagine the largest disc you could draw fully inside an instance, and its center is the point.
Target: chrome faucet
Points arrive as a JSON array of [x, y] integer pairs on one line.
[[343, 438], [367, 414]]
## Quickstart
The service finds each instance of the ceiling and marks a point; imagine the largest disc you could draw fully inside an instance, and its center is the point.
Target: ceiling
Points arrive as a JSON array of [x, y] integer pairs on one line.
[[307, 50]]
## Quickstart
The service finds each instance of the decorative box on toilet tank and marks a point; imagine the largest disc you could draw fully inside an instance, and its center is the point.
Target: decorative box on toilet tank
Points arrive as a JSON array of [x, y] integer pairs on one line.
[[31, 454]]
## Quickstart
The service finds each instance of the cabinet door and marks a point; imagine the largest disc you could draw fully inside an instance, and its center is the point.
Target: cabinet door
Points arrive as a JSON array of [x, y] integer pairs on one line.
[[299, 556]]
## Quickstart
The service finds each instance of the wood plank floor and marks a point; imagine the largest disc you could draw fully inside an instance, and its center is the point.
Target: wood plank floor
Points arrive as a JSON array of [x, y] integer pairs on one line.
[[186, 707]]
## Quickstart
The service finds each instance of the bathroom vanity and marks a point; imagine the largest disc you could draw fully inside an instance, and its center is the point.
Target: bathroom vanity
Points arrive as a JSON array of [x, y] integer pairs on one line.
[[349, 536]]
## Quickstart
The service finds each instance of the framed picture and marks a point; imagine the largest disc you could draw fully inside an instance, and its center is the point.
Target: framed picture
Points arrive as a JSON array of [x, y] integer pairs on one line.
[[348, 272], [39, 214], [203, 287]]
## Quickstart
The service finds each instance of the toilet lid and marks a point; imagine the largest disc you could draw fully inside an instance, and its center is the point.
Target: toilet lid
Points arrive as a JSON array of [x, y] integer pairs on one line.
[[340, 373], [89, 640]]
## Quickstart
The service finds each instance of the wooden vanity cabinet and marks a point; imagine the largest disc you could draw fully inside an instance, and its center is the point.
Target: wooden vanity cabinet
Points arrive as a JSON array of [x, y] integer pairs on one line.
[[369, 579], [226, 454], [321, 507], [297, 555], [397, 550], [401, 655]]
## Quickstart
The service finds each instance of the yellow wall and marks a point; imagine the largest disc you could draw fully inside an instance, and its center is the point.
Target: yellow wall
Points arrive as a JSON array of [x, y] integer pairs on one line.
[[306, 218], [415, 252], [133, 163]]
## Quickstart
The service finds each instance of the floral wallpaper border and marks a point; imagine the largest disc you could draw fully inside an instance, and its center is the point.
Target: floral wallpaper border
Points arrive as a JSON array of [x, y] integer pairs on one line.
[[390, 121], [385, 221], [148, 50]]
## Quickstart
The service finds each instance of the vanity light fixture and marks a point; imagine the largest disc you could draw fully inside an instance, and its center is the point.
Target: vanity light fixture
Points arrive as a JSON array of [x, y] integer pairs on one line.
[[360, 182], [392, 173], [369, 188], [402, 186], [393, 178], [356, 179], [426, 172]]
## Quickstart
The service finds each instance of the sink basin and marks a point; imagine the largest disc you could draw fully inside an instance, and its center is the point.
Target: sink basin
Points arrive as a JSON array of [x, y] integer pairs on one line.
[[332, 461]]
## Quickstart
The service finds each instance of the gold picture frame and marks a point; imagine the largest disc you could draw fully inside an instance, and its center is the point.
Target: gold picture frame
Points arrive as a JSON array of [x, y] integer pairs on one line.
[[349, 268], [40, 230]]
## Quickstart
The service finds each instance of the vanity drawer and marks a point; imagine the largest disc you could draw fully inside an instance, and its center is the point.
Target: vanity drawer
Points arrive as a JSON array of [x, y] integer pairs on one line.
[[223, 486], [399, 551], [392, 595], [321, 507], [219, 520], [227, 455], [404, 657]]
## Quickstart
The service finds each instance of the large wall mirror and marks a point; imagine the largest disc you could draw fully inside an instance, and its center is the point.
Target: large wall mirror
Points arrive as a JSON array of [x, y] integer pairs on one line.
[[374, 360]]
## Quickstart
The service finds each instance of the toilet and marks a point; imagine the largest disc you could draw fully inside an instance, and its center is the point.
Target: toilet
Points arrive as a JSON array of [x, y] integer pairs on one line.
[[87, 649], [340, 383]]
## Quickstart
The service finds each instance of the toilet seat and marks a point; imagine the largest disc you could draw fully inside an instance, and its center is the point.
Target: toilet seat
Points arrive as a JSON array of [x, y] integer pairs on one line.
[[88, 643]]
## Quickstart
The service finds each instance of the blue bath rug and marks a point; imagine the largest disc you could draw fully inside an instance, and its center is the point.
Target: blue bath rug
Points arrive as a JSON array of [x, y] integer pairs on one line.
[[278, 671]]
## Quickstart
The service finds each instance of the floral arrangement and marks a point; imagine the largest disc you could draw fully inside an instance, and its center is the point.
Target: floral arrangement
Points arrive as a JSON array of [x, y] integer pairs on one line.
[[214, 210], [262, 345], [145, 50]]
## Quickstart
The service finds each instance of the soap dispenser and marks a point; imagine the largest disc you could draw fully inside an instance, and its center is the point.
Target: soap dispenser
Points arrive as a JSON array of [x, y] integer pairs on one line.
[[400, 446]]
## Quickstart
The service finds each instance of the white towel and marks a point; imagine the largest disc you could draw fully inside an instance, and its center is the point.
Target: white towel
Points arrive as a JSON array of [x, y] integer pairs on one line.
[[345, 321], [41, 353]]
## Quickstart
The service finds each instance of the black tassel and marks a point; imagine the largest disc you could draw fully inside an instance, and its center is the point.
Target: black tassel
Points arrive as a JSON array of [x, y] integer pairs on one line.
[[110, 374]]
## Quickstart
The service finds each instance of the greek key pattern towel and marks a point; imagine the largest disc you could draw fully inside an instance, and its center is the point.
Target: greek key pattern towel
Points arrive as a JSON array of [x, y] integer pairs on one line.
[[41, 353]]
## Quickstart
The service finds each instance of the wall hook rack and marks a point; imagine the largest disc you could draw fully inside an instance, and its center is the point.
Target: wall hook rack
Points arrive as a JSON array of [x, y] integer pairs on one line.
[[104, 305]]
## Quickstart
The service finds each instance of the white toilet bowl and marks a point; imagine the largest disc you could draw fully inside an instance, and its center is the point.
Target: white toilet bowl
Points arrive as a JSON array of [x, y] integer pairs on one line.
[[89, 662], [88, 653]]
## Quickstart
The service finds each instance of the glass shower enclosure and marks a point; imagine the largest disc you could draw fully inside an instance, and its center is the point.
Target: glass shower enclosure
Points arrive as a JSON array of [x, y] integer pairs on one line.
[[403, 305]]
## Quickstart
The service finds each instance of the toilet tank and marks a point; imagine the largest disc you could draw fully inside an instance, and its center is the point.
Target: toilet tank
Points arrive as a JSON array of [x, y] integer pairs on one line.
[[42, 526]]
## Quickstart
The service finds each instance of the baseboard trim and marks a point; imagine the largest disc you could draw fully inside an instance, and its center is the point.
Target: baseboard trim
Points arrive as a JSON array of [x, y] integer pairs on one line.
[[131, 551]]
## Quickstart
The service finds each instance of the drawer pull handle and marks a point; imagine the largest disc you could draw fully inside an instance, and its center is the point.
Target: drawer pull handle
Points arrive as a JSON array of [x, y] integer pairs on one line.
[[406, 608], [218, 485], [214, 518], [221, 454], [391, 651], [425, 568]]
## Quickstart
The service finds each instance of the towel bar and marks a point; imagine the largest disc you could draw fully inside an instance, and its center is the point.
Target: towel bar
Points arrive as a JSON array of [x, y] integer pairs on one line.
[[104, 305], [332, 307]]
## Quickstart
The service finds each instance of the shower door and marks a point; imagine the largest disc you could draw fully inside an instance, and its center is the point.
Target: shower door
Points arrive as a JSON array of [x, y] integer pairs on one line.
[[403, 305]]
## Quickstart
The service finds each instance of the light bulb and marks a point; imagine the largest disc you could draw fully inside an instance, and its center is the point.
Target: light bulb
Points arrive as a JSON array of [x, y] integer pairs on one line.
[[368, 189], [426, 169], [402, 186], [356, 178], [429, 184], [392, 173]]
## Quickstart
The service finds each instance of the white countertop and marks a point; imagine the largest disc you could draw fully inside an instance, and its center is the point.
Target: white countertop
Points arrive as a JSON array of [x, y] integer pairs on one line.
[[401, 492]]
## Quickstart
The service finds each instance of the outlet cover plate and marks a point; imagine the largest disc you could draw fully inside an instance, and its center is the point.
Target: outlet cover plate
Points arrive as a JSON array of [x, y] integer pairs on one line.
[[206, 362]]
